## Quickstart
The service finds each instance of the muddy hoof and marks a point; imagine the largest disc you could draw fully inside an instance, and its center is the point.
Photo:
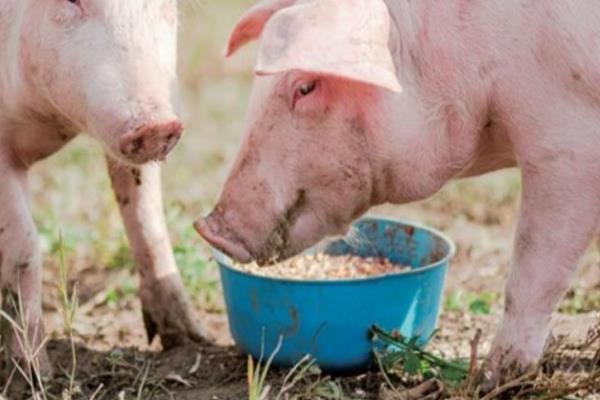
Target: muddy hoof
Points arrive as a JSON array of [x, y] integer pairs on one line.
[[494, 375], [168, 314], [487, 380]]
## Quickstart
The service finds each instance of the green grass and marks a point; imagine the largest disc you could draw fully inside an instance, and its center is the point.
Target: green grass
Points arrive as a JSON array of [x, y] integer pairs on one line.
[[404, 354], [128, 287], [475, 303], [580, 301]]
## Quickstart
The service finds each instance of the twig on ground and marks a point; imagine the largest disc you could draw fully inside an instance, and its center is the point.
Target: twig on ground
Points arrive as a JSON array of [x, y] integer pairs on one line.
[[95, 393], [383, 372], [143, 381], [474, 350], [165, 390], [473, 370], [196, 365], [173, 377], [416, 393], [510, 385]]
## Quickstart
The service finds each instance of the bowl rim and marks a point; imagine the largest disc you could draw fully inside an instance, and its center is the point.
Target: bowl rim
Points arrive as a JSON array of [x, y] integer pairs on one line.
[[226, 262]]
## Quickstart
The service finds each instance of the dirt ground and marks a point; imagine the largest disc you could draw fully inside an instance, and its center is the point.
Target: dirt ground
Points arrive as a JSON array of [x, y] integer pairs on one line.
[[114, 361], [71, 193]]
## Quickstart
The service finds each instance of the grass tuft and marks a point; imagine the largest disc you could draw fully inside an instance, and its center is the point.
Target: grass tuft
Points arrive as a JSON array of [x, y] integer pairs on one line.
[[69, 305], [29, 366], [413, 360], [258, 389]]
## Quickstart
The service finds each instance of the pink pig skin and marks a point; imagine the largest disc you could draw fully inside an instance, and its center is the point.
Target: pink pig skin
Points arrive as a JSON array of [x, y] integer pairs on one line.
[[485, 85], [106, 67]]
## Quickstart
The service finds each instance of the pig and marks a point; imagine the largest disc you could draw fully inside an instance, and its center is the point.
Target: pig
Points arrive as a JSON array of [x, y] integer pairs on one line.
[[362, 102], [107, 68]]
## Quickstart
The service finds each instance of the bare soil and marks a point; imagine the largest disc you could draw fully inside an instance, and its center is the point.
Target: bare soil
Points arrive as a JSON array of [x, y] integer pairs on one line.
[[208, 371], [114, 360]]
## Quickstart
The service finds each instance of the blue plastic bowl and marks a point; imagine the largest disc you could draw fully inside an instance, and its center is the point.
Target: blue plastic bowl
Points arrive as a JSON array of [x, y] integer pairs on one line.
[[330, 320]]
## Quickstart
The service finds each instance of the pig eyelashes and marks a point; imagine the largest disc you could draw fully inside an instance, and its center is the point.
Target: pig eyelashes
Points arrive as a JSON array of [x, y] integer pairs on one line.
[[304, 90]]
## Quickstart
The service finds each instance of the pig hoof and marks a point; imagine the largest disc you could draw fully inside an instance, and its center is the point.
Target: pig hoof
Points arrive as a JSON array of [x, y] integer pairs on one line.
[[175, 329], [487, 380], [504, 369], [167, 313]]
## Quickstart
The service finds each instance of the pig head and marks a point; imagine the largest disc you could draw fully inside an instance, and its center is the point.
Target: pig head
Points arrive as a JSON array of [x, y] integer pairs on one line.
[[107, 68], [281, 196], [308, 163]]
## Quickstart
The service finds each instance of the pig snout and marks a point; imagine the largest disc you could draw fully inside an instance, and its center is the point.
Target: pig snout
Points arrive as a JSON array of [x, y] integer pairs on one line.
[[217, 233], [150, 141]]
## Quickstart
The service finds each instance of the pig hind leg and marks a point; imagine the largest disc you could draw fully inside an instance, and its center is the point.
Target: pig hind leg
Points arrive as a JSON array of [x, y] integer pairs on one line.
[[20, 276], [558, 219], [166, 310]]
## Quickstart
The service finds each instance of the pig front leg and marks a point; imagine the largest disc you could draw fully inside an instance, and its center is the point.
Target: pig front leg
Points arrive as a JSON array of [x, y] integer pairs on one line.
[[166, 309], [20, 274], [558, 219]]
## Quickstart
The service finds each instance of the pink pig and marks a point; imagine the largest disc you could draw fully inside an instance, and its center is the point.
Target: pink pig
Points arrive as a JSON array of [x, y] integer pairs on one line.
[[106, 67], [363, 102]]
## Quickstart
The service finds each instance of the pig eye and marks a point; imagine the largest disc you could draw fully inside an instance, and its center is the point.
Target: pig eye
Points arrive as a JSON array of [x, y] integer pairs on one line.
[[76, 2], [303, 90], [307, 88]]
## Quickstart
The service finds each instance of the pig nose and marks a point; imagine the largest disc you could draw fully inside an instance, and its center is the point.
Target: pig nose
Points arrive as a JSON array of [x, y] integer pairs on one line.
[[212, 230], [150, 141]]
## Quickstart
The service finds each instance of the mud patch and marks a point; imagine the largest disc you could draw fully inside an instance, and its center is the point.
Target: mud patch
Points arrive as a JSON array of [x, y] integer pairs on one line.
[[137, 176], [192, 372]]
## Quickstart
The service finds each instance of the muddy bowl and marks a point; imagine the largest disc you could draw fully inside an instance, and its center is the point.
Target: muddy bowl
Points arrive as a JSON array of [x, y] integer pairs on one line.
[[331, 319]]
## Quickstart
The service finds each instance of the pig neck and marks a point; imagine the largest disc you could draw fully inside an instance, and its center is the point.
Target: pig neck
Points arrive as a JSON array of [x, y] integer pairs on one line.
[[432, 129]]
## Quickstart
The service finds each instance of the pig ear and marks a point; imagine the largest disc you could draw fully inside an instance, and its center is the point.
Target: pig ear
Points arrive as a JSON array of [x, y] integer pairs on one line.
[[251, 24], [344, 38]]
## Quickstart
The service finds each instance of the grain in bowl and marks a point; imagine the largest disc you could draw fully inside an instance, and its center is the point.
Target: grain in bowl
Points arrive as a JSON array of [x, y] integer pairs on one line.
[[325, 267]]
